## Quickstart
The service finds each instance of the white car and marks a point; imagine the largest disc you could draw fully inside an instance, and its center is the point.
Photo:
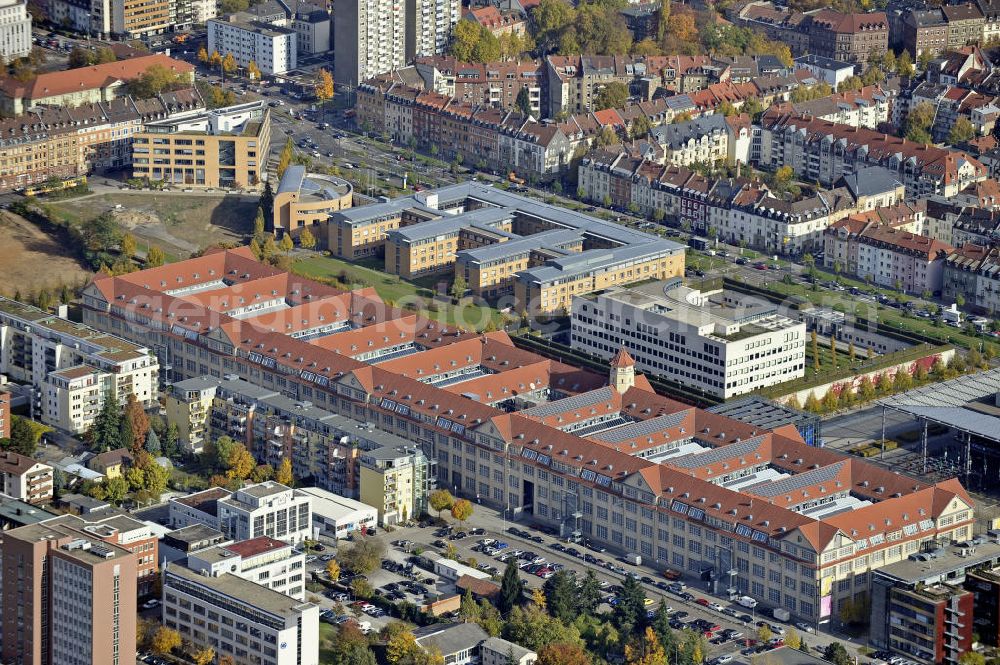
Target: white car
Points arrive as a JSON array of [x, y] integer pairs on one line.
[[804, 627], [716, 606], [311, 558], [150, 604], [724, 658]]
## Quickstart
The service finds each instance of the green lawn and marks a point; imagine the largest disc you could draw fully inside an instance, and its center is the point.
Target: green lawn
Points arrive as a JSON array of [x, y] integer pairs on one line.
[[864, 309], [418, 295], [327, 636]]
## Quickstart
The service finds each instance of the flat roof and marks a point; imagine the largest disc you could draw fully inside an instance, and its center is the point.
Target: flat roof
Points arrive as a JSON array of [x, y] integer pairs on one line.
[[14, 510], [966, 403], [328, 504], [946, 564], [762, 412], [245, 591]]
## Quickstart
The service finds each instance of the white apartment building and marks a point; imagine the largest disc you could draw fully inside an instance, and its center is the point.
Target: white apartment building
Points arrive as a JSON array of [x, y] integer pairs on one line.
[[186, 13], [312, 26], [369, 38], [722, 343], [71, 366], [15, 30], [24, 478], [429, 24], [271, 563], [703, 140], [240, 619], [273, 48], [266, 509]]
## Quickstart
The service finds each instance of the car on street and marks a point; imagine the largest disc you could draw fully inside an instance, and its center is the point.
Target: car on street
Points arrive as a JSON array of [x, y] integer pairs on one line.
[[150, 604]]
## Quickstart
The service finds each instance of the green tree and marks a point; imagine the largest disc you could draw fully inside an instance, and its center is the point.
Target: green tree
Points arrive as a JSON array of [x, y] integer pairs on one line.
[[152, 445], [115, 489], [837, 654], [561, 596], [286, 244], [523, 101], [363, 556], [918, 123], [105, 433], [961, 132], [462, 510], [458, 286], [588, 594], [812, 404], [137, 425], [562, 653], [972, 658], [532, 627], [904, 65], [511, 591], [630, 612], [817, 364], [611, 96], [284, 474], [640, 127]]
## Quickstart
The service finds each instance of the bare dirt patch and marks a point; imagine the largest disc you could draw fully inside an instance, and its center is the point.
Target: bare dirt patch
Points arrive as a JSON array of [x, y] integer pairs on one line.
[[178, 224], [30, 259]]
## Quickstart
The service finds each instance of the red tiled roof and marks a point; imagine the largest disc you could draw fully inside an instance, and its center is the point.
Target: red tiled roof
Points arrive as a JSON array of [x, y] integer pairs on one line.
[[622, 359], [89, 78], [255, 546]]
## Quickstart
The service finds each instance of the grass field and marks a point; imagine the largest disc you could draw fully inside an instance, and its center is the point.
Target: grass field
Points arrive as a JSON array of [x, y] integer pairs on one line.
[[419, 295]]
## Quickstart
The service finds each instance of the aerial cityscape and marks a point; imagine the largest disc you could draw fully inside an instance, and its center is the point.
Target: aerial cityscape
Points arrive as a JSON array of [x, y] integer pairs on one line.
[[500, 332]]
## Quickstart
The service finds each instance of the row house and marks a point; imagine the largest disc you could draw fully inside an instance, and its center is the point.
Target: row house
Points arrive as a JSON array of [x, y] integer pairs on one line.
[[496, 84], [973, 271], [888, 255], [951, 103], [840, 247], [825, 151], [869, 107]]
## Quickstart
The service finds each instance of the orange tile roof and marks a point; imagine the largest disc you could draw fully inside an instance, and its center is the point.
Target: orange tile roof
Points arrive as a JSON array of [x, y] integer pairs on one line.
[[622, 359], [89, 78]]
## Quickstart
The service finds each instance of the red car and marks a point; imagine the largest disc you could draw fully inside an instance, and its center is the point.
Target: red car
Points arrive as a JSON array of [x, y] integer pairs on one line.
[[760, 266], [701, 601]]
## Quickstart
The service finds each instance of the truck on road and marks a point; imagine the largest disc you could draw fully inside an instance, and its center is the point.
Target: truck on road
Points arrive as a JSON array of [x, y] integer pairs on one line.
[[781, 614]]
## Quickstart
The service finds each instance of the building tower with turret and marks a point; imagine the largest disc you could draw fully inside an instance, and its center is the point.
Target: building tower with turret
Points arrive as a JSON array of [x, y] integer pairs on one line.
[[622, 375]]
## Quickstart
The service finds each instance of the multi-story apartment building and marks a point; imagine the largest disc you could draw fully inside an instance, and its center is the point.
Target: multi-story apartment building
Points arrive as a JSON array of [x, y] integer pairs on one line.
[[974, 272], [965, 24], [848, 37], [225, 147], [840, 247], [133, 19], [888, 255], [245, 621], [265, 509], [674, 487], [71, 366], [68, 597], [184, 14], [703, 140], [15, 30], [925, 30], [490, 270], [271, 563], [369, 38], [429, 24], [832, 72], [869, 107], [273, 48], [396, 481], [825, 151], [718, 342], [984, 584], [24, 478], [494, 84], [5, 414]]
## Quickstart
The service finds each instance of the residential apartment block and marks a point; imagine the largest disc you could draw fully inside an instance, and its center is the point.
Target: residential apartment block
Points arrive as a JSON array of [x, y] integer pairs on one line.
[[825, 151], [823, 32], [702, 140], [239, 618], [271, 563], [24, 478], [369, 38], [974, 272], [71, 366], [429, 26], [225, 147], [722, 343], [554, 444], [68, 597], [272, 47], [265, 509], [489, 85], [396, 480], [887, 255]]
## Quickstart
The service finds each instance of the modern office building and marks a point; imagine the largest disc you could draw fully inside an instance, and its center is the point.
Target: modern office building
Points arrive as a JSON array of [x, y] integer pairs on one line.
[[271, 563], [305, 200], [273, 48], [225, 147], [251, 624], [369, 38], [719, 342], [71, 366], [265, 509], [69, 598], [337, 516], [24, 478]]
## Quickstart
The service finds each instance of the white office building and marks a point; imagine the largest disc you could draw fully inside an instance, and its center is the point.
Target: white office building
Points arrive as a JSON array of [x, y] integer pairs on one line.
[[337, 516], [266, 509], [240, 619], [369, 38], [723, 343], [273, 48], [265, 561], [15, 30]]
